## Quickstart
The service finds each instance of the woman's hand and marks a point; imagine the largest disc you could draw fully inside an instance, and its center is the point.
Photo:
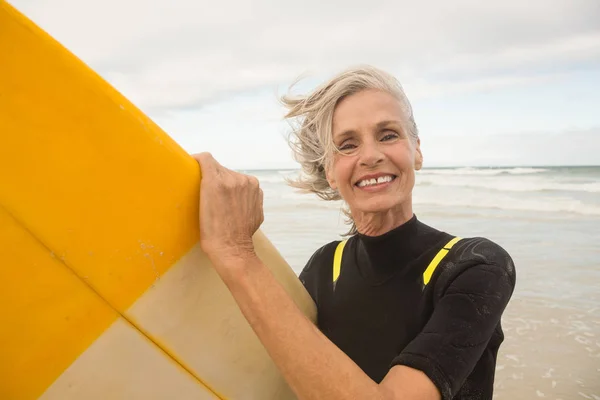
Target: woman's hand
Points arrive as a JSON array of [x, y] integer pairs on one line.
[[231, 211]]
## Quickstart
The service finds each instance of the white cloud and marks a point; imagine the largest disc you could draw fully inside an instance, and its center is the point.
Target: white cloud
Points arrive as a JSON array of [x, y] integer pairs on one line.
[[183, 53], [423, 89], [478, 72], [560, 52], [524, 149]]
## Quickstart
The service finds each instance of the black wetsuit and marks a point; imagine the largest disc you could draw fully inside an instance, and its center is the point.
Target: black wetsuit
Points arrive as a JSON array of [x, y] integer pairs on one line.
[[381, 314]]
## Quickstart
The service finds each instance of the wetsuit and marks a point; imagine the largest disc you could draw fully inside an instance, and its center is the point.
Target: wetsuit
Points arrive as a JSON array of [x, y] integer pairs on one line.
[[381, 314]]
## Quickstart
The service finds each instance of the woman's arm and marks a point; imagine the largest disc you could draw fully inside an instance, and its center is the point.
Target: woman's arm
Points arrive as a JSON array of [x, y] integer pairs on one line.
[[312, 365]]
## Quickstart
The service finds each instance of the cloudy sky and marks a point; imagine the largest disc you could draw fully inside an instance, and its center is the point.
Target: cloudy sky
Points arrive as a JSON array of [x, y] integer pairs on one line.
[[508, 82]]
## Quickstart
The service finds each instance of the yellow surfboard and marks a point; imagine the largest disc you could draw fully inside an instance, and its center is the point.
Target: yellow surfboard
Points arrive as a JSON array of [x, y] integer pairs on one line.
[[105, 291]]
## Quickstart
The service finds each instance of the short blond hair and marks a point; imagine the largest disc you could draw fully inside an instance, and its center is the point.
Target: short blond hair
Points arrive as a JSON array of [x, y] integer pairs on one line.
[[311, 118]]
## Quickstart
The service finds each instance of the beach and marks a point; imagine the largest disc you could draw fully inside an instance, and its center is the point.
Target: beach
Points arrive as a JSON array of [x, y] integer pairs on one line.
[[547, 218]]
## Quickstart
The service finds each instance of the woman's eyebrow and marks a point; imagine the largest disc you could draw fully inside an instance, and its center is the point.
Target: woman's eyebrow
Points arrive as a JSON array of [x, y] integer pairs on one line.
[[344, 134], [383, 124]]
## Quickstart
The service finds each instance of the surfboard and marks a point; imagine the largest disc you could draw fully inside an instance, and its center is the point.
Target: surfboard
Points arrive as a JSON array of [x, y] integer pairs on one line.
[[106, 293]]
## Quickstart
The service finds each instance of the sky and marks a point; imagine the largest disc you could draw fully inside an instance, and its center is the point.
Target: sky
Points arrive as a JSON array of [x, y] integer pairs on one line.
[[492, 83]]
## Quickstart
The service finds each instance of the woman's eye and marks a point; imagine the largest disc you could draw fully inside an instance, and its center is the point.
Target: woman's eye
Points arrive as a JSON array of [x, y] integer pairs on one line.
[[347, 147], [390, 135]]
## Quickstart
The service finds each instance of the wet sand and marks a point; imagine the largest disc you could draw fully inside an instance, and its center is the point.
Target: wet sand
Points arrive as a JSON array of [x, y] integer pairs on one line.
[[549, 352]]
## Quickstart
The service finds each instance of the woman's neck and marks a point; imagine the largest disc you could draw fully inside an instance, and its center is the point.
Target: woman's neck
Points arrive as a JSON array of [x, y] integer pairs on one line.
[[376, 224]]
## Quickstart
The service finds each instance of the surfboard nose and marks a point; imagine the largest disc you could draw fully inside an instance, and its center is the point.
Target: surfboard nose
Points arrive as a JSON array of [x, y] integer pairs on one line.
[[108, 293]]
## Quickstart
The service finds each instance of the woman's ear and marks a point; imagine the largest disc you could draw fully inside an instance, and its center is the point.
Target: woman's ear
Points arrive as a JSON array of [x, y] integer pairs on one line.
[[418, 155], [330, 179], [329, 176]]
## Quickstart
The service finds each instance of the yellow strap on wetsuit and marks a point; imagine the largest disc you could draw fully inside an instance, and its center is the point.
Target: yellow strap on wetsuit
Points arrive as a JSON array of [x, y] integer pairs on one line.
[[436, 260], [337, 260]]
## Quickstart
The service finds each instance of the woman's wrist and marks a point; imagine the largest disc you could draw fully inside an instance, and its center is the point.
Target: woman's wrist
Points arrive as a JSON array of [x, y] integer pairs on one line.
[[233, 258]]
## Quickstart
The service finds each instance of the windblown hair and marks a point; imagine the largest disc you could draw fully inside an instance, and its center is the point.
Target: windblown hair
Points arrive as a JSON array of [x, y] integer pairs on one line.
[[311, 138]]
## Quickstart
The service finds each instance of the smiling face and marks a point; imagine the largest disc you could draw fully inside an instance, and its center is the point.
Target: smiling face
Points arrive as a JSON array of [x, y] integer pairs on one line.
[[375, 169]]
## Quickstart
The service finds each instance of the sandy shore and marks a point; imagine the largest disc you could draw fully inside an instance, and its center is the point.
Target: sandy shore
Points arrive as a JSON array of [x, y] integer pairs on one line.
[[549, 352]]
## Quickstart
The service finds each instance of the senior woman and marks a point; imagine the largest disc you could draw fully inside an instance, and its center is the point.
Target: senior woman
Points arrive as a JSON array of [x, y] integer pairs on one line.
[[405, 311]]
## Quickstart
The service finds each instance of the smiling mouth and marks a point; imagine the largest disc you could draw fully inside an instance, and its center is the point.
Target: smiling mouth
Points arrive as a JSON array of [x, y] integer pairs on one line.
[[375, 181]]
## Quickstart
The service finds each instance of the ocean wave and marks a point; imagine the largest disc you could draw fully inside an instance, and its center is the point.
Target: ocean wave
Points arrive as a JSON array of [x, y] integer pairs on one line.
[[571, 206], [482, 171], [275, 176], [272, 179], [300, 202], [288, 172], [511, 185]]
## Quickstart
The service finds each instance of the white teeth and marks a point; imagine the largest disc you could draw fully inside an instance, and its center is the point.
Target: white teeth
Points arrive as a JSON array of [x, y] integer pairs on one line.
[[369, 182]]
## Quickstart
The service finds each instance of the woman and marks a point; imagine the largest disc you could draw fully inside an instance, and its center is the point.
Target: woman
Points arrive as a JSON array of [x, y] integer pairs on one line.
[[404, 311]]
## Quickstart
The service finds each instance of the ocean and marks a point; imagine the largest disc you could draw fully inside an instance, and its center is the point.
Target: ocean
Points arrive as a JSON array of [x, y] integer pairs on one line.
[[547, 218]]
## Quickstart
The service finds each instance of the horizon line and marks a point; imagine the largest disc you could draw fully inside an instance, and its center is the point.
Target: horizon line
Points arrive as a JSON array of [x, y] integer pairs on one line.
[[449, 167]]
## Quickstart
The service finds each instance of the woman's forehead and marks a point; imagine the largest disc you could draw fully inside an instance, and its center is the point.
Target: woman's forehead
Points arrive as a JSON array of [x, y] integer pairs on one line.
[[366, 110]]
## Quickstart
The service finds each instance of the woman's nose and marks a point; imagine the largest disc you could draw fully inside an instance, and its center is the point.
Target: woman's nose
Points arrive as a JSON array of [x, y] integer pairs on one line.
[[371, 154]]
